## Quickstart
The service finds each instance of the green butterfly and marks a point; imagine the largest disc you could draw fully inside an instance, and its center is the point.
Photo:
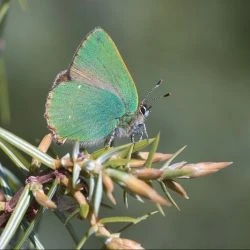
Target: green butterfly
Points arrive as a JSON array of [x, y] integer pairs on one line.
[[95, 99]]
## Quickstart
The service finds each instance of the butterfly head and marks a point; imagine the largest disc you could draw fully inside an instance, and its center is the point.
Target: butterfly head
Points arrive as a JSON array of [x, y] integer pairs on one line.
[[145, 109]]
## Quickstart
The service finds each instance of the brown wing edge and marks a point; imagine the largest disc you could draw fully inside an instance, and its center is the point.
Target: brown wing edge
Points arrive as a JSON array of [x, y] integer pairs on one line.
[[63, 76]]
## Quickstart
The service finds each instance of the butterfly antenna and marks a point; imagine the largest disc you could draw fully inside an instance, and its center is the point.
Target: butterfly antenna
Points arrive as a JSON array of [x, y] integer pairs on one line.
[[150, 92], [157, 98]]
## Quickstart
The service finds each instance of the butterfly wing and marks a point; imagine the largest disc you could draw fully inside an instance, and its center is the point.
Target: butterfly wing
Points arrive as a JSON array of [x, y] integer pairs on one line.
[[86, 102], [99, 61], [82, 112]]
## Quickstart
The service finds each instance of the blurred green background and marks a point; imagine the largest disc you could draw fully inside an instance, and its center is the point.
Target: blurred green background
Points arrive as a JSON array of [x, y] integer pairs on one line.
[[202, 50]]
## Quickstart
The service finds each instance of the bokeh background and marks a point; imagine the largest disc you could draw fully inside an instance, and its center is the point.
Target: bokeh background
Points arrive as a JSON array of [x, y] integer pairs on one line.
[[202, 51]]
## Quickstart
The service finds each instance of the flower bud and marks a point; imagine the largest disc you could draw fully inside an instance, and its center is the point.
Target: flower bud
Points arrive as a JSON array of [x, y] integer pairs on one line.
[[43, 146], [43, 199], [156, 158], [177, 187], [120, 243], [204, 168], [137, 186], [147, 173], [109, 187]]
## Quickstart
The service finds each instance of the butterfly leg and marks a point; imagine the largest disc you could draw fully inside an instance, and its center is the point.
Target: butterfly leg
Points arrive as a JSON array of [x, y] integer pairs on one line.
[[132, 137], [109, 142], [141, 136], [145, 130]]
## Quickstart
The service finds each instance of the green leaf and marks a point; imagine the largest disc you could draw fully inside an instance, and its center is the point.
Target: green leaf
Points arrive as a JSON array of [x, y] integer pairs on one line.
[[159, 207], [125, 197], [152, 151], [99, 152], [114, 163], [4, 184], [146, 216], [106, 150], [167, 163], [76, 150], [104, 157], [33, 237], [14, 155], [91, 231], [175, 173], [117, 219], [15, 218], [36, 242], [71, 216], [84, 210], [137, 220], [66, 222], [91, 187], [37, 218], [129, 155], [8, 182], [98, 194], [142, 144], [5, 5], [122, 219], [27, 148], [133, 195], [168, 195], [138, 197], [123, 150], [75, 174]]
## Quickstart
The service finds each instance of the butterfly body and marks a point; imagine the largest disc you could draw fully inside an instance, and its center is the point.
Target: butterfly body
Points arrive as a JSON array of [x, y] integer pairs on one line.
[[95, 99]]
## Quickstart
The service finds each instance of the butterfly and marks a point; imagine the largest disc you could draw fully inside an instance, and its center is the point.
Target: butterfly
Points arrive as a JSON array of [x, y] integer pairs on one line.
[[95, 99]]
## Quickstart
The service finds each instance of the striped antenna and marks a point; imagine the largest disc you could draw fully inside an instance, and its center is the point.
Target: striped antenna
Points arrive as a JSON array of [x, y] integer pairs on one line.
[[157, 98], [151, 91]]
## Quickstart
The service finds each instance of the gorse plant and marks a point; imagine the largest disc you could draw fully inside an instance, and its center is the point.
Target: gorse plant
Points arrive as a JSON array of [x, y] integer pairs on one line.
[[77, 182], [73, 185]]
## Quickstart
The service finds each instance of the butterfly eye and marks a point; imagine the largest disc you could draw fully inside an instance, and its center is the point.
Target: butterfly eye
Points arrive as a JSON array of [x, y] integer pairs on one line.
[[144, 110]]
